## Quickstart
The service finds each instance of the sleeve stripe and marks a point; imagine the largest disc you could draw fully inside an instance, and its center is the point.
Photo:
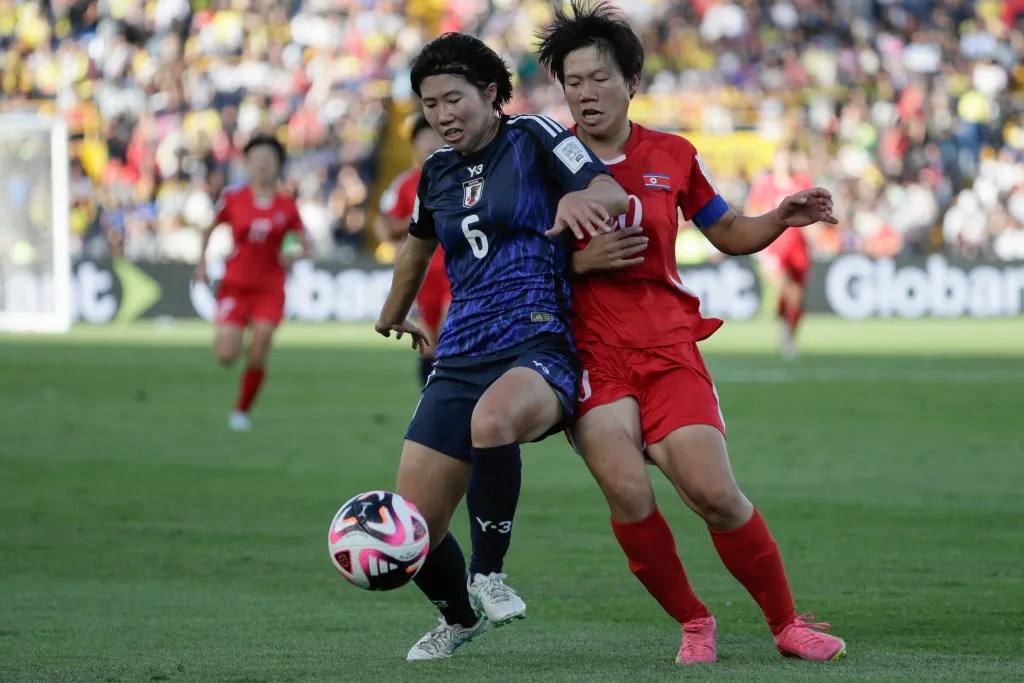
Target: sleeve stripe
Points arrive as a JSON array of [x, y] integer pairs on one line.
[[557, 126], [704, 172], [446, 148], [540, 121]]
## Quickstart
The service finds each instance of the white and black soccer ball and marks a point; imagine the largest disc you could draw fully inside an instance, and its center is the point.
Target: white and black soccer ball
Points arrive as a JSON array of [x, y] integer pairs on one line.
[[378, 541]]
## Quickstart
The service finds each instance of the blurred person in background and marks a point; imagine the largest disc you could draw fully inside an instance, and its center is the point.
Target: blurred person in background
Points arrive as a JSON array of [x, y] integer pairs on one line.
[[252, 292], [786, 262], [396, 208]]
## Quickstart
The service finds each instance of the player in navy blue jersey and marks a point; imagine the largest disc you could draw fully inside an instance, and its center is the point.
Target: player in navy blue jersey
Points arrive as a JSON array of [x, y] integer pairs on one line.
[[498, 198]]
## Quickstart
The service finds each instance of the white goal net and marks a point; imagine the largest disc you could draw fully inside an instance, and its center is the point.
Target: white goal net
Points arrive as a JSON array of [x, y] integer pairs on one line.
[[35, 264]]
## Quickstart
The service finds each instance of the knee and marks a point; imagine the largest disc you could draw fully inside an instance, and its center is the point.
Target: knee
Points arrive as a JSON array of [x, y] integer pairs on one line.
[[722, 507], [627, 491], [490, 428], [226, 357], [630, 502]]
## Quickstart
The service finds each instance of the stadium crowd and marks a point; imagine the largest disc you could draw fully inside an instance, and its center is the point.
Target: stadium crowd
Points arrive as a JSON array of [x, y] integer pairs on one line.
[[910, 111]]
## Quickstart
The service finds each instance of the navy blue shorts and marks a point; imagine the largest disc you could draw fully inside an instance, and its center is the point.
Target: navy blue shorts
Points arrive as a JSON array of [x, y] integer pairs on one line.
[[445, 411]]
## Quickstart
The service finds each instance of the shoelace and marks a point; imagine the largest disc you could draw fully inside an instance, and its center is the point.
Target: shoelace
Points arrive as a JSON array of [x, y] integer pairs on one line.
[[493, 588], [436, 639], [809, 631]]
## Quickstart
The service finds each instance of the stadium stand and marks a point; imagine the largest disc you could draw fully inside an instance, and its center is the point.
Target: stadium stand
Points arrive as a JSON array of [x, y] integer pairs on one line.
[[910, 111]]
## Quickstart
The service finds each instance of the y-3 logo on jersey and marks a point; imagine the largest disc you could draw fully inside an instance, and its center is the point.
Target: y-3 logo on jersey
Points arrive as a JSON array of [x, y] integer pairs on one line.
[[475, 170]]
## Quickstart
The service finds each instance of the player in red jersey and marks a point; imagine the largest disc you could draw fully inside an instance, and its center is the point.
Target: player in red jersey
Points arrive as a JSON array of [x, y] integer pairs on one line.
[[787, 260], [396, 207], [644, 386], [251, 294]]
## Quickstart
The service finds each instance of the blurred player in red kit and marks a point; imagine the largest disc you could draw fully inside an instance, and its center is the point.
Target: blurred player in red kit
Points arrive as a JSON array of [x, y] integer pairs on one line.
[[251, 294], [645, 390], [396, 207], [787, 260]]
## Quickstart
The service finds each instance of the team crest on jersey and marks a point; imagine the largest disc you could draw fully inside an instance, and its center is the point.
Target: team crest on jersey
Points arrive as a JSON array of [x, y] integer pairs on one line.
[[657, 180], [280, 218], [472, 191]]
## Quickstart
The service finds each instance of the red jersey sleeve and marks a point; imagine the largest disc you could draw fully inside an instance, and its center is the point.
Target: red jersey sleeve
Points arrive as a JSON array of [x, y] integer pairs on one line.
[[400, 198], [697, 195]]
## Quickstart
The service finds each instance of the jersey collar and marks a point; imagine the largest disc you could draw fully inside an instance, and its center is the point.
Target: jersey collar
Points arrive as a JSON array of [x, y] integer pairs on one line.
[[631, 143]]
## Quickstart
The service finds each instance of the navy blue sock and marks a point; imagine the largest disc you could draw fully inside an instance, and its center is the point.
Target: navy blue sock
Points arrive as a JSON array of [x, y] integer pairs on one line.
[[495, 477], [443, 580]]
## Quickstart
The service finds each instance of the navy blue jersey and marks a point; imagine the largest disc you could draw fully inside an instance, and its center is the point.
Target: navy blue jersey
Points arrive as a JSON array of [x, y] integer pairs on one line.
[[490, 209]]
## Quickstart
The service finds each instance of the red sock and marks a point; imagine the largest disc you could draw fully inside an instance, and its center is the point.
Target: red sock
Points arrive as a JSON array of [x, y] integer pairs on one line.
[[251, 382], [651, 550], [752, 556], [791, 315]]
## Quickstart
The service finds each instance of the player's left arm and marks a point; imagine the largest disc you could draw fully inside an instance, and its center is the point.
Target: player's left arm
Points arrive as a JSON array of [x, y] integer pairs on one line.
[[735, 234], [739, 235], [590, 210], [305, 246], [302, 235]]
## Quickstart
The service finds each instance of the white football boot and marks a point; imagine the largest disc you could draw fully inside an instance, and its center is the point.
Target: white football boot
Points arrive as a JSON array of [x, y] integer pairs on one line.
[[239, 422], [489, 594], [444, 640], [787, 343]]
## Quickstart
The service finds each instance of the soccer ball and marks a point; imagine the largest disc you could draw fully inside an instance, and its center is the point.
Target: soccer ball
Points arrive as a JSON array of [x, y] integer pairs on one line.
[[378, 541]]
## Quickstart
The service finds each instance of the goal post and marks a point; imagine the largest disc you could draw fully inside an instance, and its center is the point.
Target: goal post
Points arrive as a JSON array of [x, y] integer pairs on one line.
[[35, 259]]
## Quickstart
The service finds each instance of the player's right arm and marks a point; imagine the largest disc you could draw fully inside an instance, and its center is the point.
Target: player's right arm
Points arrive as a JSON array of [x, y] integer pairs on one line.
[[222, 215], [610, 251], [411, 266], [410, 269]]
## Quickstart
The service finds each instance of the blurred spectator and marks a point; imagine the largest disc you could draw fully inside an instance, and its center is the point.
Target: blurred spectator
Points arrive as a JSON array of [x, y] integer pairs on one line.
[[910, 111], [161, 96]]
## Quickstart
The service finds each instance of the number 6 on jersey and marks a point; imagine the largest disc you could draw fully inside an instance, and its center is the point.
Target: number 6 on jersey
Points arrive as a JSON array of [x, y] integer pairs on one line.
[[476, 238]]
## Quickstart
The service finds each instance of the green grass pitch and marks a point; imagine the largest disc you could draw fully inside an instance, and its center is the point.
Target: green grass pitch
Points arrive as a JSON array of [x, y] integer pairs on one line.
[[141, 541]]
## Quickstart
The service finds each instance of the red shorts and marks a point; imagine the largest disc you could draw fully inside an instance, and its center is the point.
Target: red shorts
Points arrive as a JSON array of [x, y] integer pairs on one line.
[[434, 296], [788, 255], [671, 384], [240, 306]]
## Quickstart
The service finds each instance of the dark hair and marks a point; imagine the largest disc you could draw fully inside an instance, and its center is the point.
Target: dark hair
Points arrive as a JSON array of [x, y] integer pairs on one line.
[[463, 55], [268, 140], [594, 24], [419, 124]]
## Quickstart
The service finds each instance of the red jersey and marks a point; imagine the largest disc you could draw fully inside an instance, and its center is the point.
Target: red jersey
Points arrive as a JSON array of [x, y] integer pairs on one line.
[[790, 248], [400, 197], [647, 305], [258, 229], [398, 202]]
